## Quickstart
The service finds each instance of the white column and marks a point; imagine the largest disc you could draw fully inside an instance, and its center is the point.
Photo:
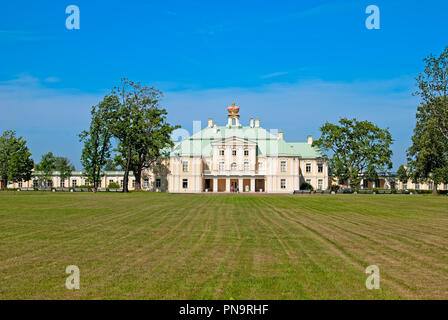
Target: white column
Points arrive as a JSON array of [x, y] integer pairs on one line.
[[240, 185], [215, 185], [252, 184], [227, 184]]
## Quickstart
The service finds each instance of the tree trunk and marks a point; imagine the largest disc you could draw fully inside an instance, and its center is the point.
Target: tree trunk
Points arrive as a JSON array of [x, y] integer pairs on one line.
[[434, 189], [138, 179], [126, 172]]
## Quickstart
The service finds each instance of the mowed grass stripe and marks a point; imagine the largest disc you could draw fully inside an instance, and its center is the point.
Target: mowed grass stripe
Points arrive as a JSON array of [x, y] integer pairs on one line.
[[331, 256], [369, 250]]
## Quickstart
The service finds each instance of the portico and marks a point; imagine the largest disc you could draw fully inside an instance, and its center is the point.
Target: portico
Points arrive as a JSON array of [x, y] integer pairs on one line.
[[240, 183]]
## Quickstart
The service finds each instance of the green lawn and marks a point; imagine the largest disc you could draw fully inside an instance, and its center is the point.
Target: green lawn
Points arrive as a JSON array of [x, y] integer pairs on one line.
[[169, 246]]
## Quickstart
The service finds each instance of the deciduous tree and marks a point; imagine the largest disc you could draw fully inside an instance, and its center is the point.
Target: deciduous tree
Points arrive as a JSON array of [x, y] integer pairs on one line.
[[46, 168], [139, 124], [402, 174], [97, 145], [355, 145], [428, 155], [64, 167], [15, 159]]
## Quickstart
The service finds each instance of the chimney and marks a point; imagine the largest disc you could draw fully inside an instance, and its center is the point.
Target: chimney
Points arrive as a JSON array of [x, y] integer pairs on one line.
[[280, 135], [257, 123], [310, 139], [214, 128], [210, 122], [251, 122]]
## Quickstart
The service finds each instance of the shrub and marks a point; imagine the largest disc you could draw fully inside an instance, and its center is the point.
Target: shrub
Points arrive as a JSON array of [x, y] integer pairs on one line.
[[114, 185], [306, 186]]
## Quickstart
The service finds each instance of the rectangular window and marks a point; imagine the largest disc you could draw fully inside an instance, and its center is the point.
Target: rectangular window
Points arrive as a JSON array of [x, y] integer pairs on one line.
[[417, 186], [308, 167], [320, 183], [221, 152], [121, 183], [73, 183], [50, 183], [445, 186], [283, 183], [430, 186], [185, 166], [308, 181], [35, 183], [246, 166], [185, 183], [133, 183], [282, 166], [405, 186], [20, 184], [233, 152], [246, 152], [260, 165], [62, 183], [320, 167], [146, 183], [158, 183], [221, 166]]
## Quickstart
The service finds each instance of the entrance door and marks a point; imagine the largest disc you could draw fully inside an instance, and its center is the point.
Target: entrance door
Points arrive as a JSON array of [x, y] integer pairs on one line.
[[233, 185]]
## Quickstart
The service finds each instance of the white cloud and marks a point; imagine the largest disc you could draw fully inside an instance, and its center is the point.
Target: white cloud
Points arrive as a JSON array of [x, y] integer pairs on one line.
[[274, 74]]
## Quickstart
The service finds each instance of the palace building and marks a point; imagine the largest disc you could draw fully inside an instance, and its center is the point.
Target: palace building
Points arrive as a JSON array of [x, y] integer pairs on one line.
[[231, 157], [235, 157]]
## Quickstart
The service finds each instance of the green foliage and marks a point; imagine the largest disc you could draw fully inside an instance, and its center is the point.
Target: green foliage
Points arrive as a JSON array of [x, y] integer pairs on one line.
[[135, 119], [113, 185], [306, 186], [97, 145], [110, 165], [428, 155], [356, 146], [402, 174], [46, 167], [64, 167], [15, 159]]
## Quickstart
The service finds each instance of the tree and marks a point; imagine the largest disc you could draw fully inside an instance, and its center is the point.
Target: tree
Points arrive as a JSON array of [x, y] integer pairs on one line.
[[432, 86], [97, 145], [355, 145], [15, 159], [402, 174], [110, 165], [139, 124], [64, 167], [46, 167], [428, 155]]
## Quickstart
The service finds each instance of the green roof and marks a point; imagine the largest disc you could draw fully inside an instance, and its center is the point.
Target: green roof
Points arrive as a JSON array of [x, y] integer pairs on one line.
[[268, 144]]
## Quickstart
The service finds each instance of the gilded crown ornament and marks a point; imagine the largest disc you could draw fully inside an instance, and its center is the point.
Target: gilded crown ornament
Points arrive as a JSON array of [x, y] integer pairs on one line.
[[233, 110]]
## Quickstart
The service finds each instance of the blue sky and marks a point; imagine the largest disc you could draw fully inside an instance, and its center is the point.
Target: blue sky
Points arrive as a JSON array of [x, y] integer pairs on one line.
[[293, 64]]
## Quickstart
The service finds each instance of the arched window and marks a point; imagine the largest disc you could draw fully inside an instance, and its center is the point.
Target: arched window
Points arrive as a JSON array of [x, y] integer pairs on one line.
[[233, 166], [233, 122]]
